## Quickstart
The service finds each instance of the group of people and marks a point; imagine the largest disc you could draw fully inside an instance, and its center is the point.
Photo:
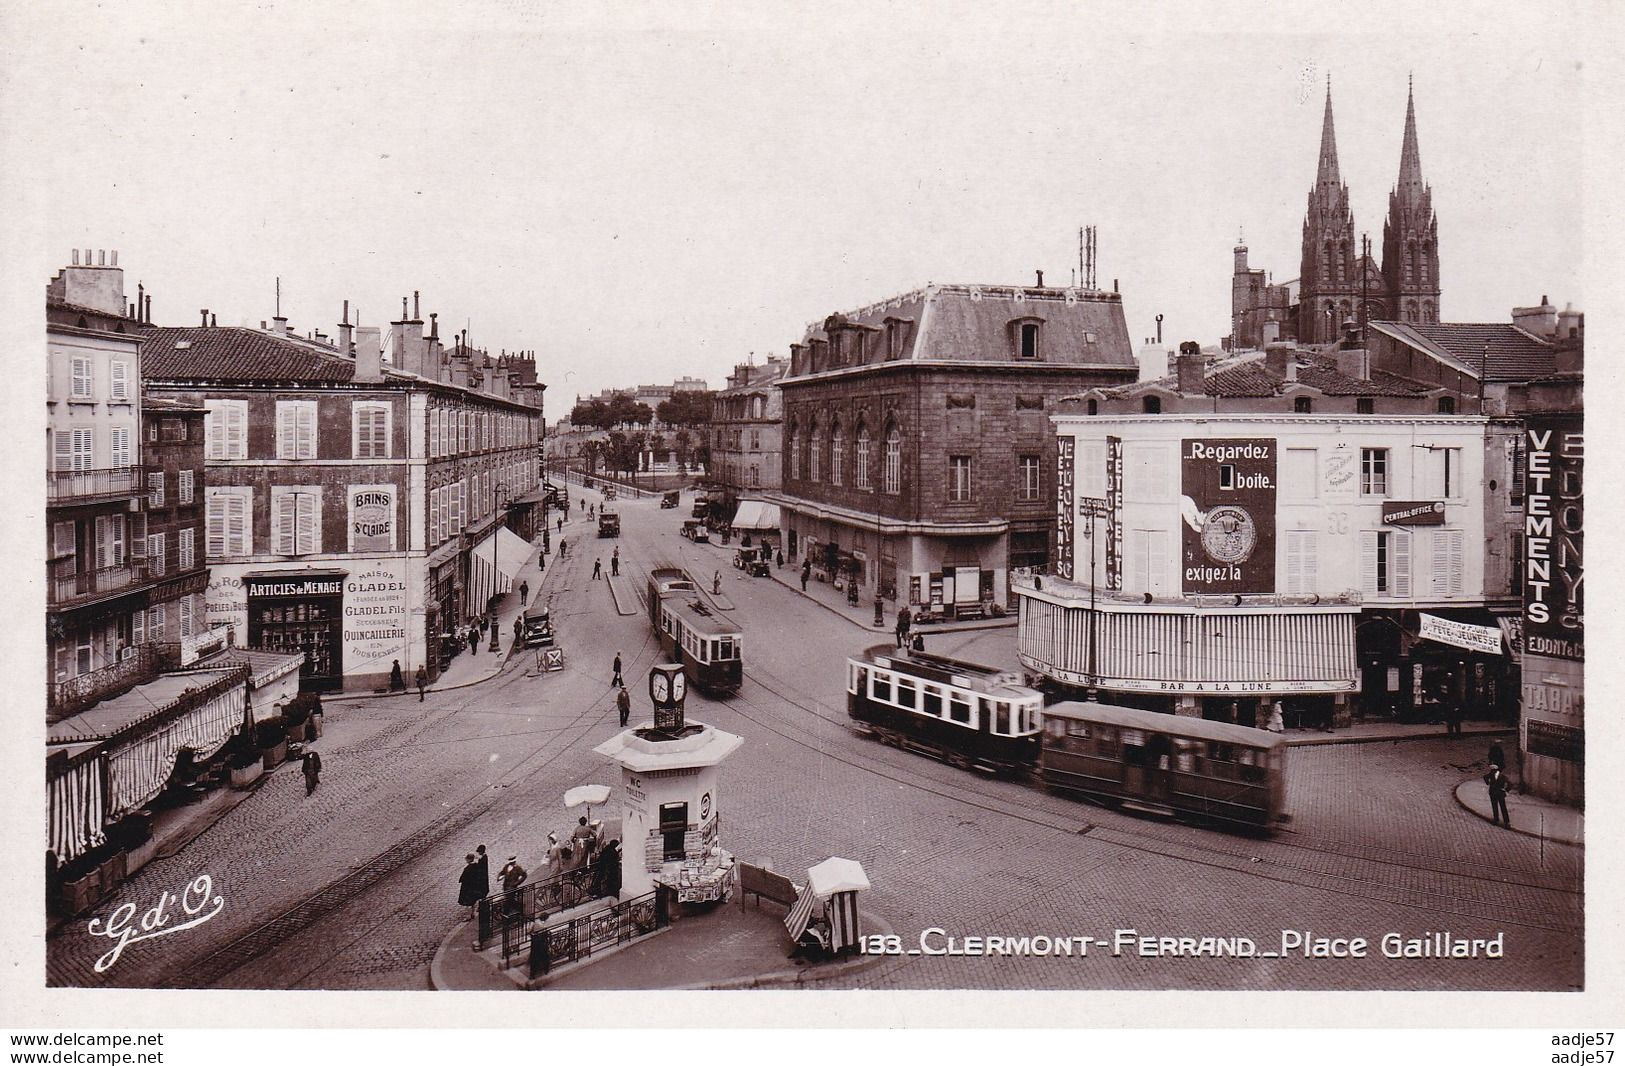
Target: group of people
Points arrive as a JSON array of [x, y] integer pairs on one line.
[[585, 846]]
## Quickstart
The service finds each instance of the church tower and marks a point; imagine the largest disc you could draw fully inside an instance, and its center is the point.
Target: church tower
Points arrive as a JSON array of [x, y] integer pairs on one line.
[[1410, 237], [1328, 284]]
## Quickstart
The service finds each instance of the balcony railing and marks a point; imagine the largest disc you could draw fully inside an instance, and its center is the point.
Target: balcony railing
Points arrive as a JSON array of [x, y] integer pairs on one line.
[[68, 584], [139, 664], [110, 482]]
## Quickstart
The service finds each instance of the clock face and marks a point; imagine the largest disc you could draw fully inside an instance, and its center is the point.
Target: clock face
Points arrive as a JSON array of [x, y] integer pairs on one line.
[[658, 687], [679, 685]]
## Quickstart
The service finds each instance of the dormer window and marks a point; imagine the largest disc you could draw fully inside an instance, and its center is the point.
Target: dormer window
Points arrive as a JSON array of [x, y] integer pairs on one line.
[[1302, 405], [1026, 338], [1094, 407], [1153, 405]]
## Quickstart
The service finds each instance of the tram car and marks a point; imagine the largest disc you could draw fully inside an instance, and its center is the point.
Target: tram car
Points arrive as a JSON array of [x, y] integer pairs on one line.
[[711, 648], [1165, 764], [965, 714]]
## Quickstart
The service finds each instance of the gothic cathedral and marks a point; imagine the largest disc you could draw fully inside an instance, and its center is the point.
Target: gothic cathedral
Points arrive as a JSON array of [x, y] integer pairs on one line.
[[1336, 276]]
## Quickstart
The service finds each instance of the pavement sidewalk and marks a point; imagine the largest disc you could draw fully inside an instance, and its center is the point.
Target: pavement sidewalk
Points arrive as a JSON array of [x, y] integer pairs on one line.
[[1530, 815]]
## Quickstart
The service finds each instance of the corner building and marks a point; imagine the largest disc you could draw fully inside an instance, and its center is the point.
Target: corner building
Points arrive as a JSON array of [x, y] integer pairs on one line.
[[918, 458]]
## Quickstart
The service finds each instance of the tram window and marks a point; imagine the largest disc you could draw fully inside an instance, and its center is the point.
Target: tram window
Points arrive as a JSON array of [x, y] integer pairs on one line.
[[854, 679], [1106, 741], [905, 692], [930, 700], [880, 686], [1001, 719], [1029, 719], [1057, 727], [1186, 752], [959, 709]]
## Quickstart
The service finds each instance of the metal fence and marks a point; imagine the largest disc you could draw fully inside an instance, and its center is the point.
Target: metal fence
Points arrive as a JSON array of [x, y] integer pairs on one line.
[[510, 915], [578, 939]]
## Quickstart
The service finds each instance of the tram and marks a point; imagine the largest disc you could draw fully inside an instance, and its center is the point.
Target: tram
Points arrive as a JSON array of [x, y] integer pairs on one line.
[[1165, 764], [962, 713], [711, 648]]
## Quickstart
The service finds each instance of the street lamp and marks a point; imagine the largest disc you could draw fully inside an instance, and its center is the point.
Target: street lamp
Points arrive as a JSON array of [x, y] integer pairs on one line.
[[496, 527]]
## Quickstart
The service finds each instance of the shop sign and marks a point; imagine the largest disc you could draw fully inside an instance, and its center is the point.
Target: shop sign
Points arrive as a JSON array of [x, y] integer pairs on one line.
[[223, 603], [1063, 506], [1554, 741], [1198, 688], [1228, 488], [1338, 469], [1512, 630], [1413, 512], [1486, 639], [372, 518], [374, 620], [1114, 513], [276, 585], [1554, 506]]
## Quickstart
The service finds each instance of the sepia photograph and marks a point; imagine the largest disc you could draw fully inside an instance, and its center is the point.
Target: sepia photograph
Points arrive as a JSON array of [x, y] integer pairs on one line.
[[818, 503]]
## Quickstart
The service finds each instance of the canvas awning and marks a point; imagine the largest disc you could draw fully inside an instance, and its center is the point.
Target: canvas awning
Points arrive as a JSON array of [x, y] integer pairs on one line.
[[756, 514], [78, 809], [509, 551]]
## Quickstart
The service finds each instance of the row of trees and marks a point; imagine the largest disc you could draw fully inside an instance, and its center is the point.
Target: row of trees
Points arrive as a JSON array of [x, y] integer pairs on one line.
[[622, 450]]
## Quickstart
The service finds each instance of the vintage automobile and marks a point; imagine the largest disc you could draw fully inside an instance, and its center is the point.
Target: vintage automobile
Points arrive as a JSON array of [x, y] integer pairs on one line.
[[697, 531], [669, 500], [537, 626]]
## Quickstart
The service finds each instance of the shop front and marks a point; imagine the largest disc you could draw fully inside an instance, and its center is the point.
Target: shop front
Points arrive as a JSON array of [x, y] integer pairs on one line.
[[1419, 666], [293, 611]]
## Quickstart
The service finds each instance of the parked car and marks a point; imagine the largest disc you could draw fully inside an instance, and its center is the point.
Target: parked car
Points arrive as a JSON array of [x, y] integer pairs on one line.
[[537, 627], [696, 531]]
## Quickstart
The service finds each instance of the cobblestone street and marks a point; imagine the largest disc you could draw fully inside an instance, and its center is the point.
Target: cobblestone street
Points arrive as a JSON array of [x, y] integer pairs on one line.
[[354, 886]]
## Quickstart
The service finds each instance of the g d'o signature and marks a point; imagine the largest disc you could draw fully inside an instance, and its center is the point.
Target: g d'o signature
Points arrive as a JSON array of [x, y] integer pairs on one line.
[[195, 901]]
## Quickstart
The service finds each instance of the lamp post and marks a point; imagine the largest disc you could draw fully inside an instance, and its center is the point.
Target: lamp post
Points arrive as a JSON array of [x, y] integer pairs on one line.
[[496, 527]]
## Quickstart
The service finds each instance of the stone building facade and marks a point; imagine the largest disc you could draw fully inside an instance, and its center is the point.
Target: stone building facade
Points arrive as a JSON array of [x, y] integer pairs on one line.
[[747, 430]]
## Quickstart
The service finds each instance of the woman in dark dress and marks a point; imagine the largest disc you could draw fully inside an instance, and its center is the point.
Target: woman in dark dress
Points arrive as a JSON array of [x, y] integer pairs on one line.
[[468, 884]]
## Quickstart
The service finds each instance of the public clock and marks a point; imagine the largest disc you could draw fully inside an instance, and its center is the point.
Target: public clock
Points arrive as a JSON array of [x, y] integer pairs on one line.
[[659, 687], [666, 684], [679, 687]]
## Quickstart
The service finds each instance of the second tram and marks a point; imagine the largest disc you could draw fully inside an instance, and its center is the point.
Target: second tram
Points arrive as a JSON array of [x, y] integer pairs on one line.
[[963, 713], [711, 648]]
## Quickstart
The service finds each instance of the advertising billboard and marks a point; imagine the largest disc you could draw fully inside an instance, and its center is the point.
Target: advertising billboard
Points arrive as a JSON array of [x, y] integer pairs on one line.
[[1067, 447], [1227, 503], [1553, 531]]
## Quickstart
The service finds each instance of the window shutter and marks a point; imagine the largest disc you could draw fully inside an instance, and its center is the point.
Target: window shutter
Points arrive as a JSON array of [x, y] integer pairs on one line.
[[307, 530], [64, 538], [119, 381], [183, 541], [138, 628], [184, 485], [236, 429], [305, 431], [237, 531], [104, 553], [121, 447], [155, 483], [287, 517], [213, 434], [284, 431], [1368, 561], [155, 553], [83, 381], [84, 449], [186, 616], [62, 445], [214, 522], [1447, 562], [1402, 564], [1293, 582]]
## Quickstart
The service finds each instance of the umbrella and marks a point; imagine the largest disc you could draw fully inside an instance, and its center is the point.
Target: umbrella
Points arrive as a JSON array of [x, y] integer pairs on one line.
[[836, 875], [591, 795]]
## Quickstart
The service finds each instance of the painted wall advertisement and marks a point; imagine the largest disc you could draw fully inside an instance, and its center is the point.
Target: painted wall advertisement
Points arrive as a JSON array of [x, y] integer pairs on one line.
[[375, 611], [1067, 448], [1114, 513], [1227, 504], [1553, 599], [372, 518], [224, 602]]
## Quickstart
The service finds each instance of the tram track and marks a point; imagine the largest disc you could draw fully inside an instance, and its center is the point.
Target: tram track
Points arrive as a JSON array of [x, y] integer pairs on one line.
[[1372, 885]]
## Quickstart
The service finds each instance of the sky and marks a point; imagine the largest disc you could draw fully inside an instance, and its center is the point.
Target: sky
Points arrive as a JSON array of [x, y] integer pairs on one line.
[[640, 192]]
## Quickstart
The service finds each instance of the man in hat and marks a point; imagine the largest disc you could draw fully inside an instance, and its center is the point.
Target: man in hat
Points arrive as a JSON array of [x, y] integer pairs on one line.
[[311, 764], [616, 680], [623, 703], [422, 680]]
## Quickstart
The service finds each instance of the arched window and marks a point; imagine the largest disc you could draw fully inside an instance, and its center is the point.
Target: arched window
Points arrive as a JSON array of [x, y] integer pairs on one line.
[[1447, 405], [1302, 405], [1429, 312], [795, 451], [815, 460], [1094, 407], [860, 475], [892, 478], [1153, 405], [837, 455], [1343, 261]]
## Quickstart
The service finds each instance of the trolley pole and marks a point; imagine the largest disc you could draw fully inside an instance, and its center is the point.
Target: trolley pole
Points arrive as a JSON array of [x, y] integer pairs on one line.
[[1089, 509]]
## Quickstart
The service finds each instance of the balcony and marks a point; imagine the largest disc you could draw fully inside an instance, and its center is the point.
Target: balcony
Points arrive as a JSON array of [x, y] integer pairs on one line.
[[69, 587], [84, 486], [139, 664]]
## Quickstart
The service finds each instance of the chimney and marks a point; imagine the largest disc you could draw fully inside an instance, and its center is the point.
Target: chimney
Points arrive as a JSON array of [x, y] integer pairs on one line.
[[1276, 358], [1541, 321], [147, 316], [205, 313], [1189, 369], [1571, 324], [214, 320], [416, 316], [346, 349], [369, 354], [1351, 362], [1040, 279]]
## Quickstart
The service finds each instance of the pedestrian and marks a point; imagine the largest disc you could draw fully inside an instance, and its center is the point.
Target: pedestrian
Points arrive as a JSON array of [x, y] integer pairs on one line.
[[1497, 756], [781, 558], [804, 573], [623, 703], [607, 879], [311, 764], [1452, 716], [397, 683], [1498, 785], [918, 643], [582, 839], [483, 625], [905, 622], [518, 627], [562, 551], [561, 525], [468, 885], [513, 875], [524, 592], [716, 583], [597, 569], [616, 680], [473, 640], [555, 861], [1277, 722], [423, 682], [615, 564], [483, 880]]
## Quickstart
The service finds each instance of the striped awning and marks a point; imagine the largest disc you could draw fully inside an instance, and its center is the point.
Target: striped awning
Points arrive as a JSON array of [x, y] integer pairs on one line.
[[801, 914], [76, 804]]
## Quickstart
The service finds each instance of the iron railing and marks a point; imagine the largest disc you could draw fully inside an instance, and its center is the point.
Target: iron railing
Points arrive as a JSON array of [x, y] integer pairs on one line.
[[579, 938], [68, 583], [139, 664], [508, 915], [112, 482]]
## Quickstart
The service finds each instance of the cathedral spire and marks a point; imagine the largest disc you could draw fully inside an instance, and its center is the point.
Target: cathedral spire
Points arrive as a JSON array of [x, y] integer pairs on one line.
[[1327, 174], [1410, 156]]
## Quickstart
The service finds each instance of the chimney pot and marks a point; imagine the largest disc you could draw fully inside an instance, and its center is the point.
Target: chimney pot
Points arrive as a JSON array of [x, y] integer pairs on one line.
[[115, 257], [1040, 279], [76, 257], [416, 316], [101, 257], [205, 313], [214, 320]]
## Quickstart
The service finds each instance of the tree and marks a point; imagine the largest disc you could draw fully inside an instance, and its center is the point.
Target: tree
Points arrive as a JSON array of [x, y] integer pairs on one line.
[[591, 413], [683, 454], [686, 408]]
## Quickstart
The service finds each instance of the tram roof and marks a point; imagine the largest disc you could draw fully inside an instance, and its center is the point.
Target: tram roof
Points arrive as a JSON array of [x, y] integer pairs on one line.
[[1173, 724], [701, 618]]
